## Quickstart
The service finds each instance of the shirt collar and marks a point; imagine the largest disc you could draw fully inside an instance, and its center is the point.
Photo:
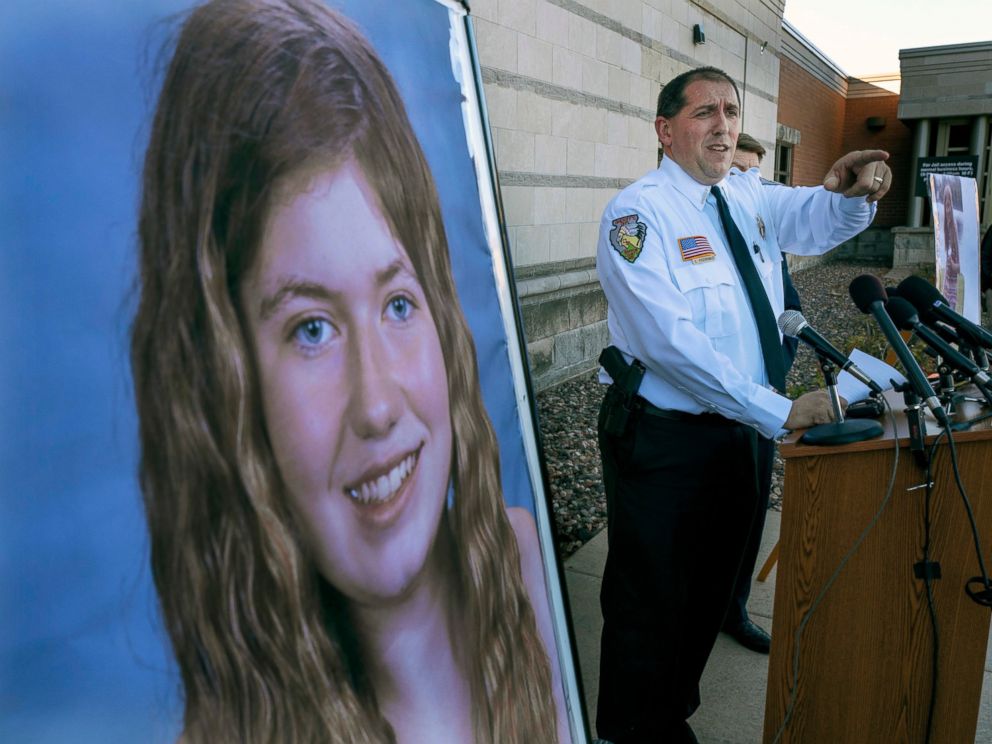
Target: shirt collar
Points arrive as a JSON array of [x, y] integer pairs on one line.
[[697, 193]]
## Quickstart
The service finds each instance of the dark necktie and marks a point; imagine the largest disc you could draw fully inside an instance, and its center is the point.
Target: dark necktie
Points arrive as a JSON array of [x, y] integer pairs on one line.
[[764, 318]]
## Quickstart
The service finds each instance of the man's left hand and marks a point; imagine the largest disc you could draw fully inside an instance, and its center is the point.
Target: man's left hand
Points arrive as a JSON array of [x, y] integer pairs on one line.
[[860, 173], [810, 409]]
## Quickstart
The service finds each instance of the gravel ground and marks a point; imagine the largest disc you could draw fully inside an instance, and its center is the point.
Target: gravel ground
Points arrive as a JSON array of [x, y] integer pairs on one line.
[[568, 412]]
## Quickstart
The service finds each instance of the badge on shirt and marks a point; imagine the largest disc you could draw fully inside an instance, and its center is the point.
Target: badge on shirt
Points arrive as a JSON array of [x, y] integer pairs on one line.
[[696, 249], [761, 225], [627, 236]]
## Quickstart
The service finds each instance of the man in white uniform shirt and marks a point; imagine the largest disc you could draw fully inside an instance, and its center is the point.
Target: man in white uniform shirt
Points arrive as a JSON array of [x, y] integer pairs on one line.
[[690, 261]]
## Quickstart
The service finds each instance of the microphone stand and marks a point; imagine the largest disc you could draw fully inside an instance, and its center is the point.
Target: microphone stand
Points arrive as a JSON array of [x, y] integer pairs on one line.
[[841, 431], [916, 421], [981, 358], [948, 398], [976, 352]]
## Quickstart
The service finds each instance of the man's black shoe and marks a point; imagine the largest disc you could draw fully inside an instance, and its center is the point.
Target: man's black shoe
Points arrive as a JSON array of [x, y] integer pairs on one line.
[[681, 733], [688, 736], [749, 635]]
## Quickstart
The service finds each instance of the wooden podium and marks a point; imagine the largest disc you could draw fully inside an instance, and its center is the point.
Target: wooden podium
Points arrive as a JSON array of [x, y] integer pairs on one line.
[[866, 653]]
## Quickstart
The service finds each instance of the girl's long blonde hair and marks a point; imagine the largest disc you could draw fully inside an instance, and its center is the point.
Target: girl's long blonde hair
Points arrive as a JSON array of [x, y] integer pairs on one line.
[[257, 90]]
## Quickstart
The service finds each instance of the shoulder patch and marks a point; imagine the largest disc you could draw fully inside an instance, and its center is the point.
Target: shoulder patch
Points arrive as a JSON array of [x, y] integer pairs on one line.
[[627, 236]]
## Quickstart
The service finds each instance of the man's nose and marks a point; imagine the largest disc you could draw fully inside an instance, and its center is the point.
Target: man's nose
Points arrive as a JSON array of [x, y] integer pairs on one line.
[[720, 122]]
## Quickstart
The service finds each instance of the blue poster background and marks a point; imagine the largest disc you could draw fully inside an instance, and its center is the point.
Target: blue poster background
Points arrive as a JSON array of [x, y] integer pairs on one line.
[[83, 656]]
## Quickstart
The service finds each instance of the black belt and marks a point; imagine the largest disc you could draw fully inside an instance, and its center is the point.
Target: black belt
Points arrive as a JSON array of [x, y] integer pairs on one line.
[[710, 419]]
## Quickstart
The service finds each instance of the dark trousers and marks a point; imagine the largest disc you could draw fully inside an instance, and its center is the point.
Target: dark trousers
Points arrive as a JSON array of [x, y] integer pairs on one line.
[[742, 589], [681, 496]]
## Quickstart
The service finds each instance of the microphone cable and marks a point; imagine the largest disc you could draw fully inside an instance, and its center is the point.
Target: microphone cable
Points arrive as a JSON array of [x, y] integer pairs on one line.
[[790, 708], [981, 596], [928, 571], [965, 425]]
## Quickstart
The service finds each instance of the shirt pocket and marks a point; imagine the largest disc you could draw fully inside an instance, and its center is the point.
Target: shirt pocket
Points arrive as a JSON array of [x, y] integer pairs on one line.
[[767, 266], [711, 291]]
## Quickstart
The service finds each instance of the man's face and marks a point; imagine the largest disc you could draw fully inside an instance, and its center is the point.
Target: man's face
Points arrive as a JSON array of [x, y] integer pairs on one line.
[[746, 160], [703, 135]]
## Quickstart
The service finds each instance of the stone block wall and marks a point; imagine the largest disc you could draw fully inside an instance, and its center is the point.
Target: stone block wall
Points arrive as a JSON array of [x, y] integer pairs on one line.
[[874, 245], [564, 316], [913, 246]]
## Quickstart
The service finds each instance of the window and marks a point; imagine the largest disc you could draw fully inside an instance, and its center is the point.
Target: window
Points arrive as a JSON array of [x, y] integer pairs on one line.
[[783, 163], [954, 137]]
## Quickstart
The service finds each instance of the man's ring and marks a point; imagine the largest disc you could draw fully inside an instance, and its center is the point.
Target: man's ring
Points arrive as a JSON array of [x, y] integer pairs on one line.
[[879, 179]]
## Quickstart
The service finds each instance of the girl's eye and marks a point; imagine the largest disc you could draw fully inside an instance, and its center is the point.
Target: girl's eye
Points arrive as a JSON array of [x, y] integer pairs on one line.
[[400, 307], [312, 332]]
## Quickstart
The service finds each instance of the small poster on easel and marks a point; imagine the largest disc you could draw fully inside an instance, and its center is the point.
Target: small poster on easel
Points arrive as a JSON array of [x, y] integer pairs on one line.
[[954, 204]]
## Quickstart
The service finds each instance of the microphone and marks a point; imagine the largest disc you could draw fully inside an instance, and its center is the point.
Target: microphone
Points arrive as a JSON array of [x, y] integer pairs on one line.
[[932, 305], [944, 331], [904, 315], [869, 295], [966, 345], [792, 323]]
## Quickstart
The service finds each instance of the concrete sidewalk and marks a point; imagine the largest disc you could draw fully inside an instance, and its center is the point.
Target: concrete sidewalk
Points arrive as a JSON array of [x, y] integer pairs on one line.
[[733, 685]]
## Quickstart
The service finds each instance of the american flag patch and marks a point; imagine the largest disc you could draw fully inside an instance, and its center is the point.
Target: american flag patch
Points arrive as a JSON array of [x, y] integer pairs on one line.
[[696, 249]]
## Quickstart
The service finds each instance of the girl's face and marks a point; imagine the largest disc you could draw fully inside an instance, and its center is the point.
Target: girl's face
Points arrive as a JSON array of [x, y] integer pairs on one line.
[[354, 388]]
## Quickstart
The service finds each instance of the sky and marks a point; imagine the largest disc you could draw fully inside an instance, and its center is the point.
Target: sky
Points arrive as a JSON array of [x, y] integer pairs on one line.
[[863, 37]]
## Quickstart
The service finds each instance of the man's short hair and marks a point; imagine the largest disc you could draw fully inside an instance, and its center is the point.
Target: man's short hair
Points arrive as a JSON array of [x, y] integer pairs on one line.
[[747, 143], [671, 99]]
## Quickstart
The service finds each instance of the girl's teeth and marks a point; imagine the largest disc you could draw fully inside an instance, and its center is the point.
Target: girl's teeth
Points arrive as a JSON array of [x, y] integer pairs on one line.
[[385, 486]]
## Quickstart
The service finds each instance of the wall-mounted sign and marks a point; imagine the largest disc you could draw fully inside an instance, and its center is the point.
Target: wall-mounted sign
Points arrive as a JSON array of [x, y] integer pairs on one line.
[[965, 166]]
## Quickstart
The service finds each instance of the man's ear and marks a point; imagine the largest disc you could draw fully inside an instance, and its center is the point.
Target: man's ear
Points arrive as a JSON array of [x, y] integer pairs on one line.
[[662, 127]]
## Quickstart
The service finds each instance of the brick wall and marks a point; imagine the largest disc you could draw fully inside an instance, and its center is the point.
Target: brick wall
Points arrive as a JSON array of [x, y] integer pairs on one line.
[[896, 139], [817, 111]]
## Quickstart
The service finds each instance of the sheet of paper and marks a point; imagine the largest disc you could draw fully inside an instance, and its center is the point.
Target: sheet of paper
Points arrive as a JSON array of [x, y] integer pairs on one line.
[[852, 390]]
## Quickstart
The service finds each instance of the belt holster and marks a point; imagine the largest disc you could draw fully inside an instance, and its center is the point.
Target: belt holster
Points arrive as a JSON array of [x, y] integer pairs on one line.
[[622, 395]]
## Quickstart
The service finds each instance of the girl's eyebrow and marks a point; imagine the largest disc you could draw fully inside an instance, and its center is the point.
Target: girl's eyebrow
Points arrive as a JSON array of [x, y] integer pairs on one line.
[[291, 287]]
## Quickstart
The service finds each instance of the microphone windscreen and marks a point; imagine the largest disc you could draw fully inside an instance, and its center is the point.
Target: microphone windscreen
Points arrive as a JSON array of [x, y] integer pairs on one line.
[[865, 290], [791, 322], [903, 314], [921, 293]]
